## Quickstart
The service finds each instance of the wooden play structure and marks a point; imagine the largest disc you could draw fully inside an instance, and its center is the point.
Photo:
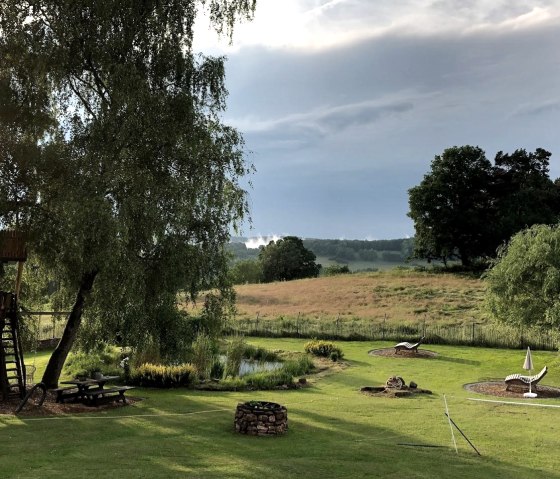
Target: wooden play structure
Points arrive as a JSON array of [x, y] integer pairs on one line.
[[12, 367]]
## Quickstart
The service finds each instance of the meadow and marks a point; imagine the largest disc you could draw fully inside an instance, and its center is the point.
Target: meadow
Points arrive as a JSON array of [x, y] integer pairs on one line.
[[335, 431], [399, 295]]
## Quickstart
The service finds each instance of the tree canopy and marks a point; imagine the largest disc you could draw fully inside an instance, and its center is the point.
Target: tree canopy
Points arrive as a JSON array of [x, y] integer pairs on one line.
[[116, 163], [451, 206], [465, 207], [523, 285], [524, 193], [287, 259]]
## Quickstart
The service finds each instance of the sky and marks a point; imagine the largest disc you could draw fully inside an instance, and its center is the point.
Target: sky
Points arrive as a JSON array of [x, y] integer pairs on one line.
[[343, 104]]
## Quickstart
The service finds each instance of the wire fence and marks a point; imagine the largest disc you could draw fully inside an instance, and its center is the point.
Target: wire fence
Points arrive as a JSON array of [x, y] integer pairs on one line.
[[42, 329], [50, 327], [470, 334]]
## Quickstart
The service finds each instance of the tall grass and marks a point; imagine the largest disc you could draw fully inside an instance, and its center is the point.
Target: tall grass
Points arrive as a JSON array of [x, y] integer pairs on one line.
[[234, 355], [204, 351], [487, 335]]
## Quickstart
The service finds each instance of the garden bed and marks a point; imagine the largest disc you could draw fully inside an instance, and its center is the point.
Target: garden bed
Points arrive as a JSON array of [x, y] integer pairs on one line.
[[498, 389], [390, 352]]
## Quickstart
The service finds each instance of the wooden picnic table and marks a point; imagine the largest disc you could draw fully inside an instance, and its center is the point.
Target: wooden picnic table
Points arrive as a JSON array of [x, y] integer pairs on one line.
[[88, 390], [85, 384]]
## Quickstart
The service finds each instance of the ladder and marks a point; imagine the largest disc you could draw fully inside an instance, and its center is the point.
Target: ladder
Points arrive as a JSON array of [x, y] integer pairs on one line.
[[12, 368]]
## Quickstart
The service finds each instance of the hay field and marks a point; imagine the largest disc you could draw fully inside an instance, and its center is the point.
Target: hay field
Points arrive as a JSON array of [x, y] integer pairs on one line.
[[399, 295]]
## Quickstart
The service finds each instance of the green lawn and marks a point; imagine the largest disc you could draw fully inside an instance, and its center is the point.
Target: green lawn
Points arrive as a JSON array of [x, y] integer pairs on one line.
[[334, 430]]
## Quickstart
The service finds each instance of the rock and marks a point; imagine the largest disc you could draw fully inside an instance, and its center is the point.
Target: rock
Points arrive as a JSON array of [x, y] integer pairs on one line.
[[412, 385]]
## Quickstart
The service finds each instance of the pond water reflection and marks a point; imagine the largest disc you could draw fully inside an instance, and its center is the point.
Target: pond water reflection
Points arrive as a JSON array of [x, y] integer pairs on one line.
[[249, 366]]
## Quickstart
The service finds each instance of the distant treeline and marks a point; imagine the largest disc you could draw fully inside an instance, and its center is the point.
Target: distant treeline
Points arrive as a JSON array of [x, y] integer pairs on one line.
[[343, 251]]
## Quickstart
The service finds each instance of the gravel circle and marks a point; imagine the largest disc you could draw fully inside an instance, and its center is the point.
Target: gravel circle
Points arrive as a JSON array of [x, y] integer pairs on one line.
[[390, 353], [498, 389]]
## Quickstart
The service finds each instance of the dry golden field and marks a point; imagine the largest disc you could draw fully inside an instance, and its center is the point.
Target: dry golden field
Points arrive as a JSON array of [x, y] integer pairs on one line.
[[400, 295]]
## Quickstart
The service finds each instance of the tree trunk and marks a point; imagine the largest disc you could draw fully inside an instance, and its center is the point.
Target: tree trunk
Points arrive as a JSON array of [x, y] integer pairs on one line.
[[59, 355]]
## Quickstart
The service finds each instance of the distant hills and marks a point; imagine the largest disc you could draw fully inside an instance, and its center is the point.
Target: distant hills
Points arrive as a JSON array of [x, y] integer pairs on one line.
[[362, 254]]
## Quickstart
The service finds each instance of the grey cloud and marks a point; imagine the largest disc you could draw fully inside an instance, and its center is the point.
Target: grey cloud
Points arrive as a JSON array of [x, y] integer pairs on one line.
[[304, 130], [539, 109], [341, 118], [343, 133]]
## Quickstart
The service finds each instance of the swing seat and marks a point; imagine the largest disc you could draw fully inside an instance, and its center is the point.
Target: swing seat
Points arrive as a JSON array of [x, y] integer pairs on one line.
[[29, 373], [523, 382]]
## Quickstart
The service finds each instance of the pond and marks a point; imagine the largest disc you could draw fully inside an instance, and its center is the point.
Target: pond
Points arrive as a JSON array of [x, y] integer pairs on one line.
[[249, 366]]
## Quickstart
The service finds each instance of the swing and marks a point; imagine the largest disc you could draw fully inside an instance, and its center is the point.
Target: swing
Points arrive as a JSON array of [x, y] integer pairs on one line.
[[31, 369]]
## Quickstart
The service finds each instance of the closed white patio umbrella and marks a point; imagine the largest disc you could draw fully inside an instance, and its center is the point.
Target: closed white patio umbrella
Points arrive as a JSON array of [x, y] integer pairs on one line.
[[528, 365]]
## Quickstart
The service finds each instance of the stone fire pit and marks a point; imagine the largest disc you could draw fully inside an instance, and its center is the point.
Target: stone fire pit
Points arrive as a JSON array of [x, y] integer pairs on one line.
[[261, 418], [395, 387]]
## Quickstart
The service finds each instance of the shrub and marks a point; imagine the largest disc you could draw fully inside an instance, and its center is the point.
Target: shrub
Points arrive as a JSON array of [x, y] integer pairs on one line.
[[299, 366], [268, 379], [336, 269], [162, 376], [85, 364], [322, 348], [148, 353], [334, 356], [217, 370], [258, 353], [231, 384]]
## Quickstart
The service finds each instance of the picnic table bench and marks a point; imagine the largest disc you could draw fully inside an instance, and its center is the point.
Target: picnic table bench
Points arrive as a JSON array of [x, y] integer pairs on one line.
[[90, 390], [70, 392], [116, 393]]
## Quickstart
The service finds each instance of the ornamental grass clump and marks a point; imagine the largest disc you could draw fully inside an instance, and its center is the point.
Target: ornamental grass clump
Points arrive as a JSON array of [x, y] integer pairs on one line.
[[234, 355], [299, 366], [258, 353], [268, 379], [204, 352], [163, 376], [325, 349]]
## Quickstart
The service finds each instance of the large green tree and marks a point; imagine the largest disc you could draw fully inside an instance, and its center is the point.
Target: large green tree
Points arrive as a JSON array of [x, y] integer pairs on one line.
[[452, 208], [287, 259], [465, 207], [523, 285], [117, 166], [523, 191]]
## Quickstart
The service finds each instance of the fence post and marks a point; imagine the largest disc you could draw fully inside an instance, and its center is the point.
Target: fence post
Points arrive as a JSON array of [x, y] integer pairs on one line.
[[472, 338], [383, 329]]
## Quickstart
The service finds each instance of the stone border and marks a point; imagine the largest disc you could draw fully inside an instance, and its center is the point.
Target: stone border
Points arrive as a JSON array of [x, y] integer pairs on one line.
[[390, 353], [498, 389]]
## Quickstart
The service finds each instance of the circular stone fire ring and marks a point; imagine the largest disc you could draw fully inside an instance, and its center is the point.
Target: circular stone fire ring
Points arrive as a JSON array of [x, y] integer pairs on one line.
[[261, 418]]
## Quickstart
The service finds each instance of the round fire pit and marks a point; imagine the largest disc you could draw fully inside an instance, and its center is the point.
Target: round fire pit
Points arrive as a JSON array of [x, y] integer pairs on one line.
[[261, 418]]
